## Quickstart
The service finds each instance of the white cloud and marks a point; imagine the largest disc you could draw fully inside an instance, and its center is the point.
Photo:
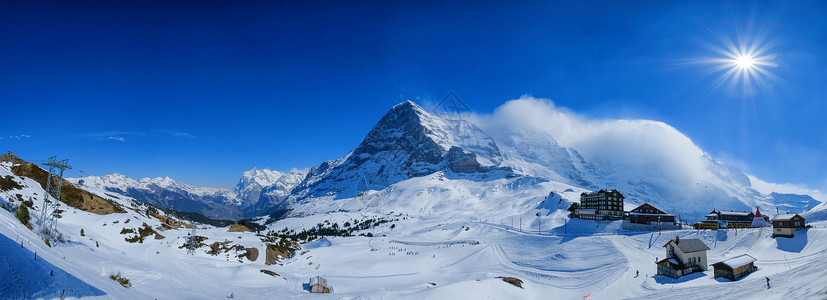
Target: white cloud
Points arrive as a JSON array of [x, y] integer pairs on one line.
[[786, 188], [643, 144], [113, 138], [16, 137], [174, 133]]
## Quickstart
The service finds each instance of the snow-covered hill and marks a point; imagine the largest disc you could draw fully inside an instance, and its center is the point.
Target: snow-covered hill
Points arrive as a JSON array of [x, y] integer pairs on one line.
[[444, 253]]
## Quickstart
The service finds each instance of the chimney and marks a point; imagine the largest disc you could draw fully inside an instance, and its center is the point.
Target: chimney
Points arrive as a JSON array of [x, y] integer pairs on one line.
[[677, 240]]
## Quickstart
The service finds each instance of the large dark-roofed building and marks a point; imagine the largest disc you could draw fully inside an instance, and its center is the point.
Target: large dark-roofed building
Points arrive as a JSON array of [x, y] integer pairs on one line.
[[607, 204]]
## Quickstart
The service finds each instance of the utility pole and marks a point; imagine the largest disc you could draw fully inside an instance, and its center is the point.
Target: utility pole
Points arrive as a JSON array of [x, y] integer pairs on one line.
[[48, 213], [521, 224]]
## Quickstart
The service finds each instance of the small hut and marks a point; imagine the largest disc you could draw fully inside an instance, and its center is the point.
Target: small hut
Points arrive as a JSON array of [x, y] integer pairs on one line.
[[736, 267], [319, 284]]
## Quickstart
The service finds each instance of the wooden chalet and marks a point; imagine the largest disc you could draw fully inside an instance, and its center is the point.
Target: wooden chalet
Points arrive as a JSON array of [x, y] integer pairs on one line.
[[648, 214], [319, 284], [735, 268], [787, 224]]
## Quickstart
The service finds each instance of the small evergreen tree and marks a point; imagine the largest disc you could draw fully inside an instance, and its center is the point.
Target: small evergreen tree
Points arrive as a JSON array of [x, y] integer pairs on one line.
[[22, 214], [47, 242], [81, 232]]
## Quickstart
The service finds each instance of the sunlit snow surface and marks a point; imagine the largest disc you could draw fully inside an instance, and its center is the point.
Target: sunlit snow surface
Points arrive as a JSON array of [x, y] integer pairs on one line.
[[460, 244]]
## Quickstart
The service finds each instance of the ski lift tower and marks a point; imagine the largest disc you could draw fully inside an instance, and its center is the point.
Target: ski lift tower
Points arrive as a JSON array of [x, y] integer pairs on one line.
[[49, 210], [193, 240]]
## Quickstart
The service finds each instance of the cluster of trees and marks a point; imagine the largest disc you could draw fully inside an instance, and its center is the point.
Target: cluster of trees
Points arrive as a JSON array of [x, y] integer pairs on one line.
[[325, 229]]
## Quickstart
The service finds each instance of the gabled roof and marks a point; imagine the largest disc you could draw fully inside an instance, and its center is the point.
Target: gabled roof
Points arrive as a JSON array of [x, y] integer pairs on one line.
[[650, 205], [689, 245], [737, 262], [730, 213], [785, 217]]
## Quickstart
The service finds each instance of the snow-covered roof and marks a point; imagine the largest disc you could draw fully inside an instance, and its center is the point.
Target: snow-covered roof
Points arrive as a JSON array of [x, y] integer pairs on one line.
[[689, 245], [318, 280], [784, 217], [735, 213], [648, 214], [738, 261]]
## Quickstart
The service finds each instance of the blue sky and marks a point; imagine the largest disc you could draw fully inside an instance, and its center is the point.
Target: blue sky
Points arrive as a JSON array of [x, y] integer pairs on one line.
[[201, 91]]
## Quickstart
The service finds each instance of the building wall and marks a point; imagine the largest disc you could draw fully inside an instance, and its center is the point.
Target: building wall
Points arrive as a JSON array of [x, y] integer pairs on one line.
[[735, 274], [609, 203], [626, 225], [685, 257], [783, 231], [650, 220]]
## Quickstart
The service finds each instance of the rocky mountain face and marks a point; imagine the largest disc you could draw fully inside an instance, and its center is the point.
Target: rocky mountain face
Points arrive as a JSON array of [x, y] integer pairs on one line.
[[407, 142]]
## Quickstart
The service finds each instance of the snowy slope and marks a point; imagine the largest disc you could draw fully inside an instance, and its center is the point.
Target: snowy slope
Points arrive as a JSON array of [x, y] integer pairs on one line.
[[427, 250]]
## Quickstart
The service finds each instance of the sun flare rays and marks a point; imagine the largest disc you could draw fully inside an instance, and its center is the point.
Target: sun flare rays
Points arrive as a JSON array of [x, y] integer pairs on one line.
[[743, 66]]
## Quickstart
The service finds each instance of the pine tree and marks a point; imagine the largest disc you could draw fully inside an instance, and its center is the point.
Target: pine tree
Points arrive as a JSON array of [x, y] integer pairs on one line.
[[22, 214], [81, 232]]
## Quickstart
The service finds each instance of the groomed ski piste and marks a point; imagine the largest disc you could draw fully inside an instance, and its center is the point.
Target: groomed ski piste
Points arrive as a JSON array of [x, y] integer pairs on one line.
[[446, 255]]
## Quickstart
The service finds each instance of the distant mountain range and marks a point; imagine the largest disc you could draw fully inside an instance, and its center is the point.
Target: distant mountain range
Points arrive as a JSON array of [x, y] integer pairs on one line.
[[409, 143], [238, 202]]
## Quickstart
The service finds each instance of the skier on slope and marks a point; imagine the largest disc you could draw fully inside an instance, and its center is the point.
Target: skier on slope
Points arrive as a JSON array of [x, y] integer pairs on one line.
[[768, 282]]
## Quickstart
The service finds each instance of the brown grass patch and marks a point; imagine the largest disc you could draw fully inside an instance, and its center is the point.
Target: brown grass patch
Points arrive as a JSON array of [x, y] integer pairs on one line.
[[69, 194], [271, 273], [120, 279], [7, 183], [251, 254], [513, 281], [169, 223], [282, 250], [239, 228], [143, 232]]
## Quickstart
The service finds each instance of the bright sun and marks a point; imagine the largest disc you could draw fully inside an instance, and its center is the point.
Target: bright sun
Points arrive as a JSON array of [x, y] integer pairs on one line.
[[745, 64], [744, 61]]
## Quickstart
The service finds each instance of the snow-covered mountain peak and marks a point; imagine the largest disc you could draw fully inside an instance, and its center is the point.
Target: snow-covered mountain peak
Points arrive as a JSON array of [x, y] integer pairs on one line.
[[407, 142], [261, 177]]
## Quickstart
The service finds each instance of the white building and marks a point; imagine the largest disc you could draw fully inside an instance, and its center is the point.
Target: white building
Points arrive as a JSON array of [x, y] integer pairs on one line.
[[683, 256]]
